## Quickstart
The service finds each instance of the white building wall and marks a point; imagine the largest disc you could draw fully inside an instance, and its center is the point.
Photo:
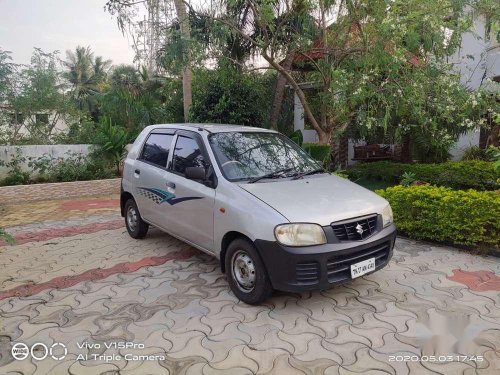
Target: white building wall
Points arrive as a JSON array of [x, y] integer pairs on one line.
[[7, 153], [465, 141], [478, 57], [310, 136], [477, 60], [60, 124]]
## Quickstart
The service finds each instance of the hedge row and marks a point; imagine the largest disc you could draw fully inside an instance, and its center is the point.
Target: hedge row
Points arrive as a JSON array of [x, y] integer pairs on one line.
[[472, 174], [441, 214], [319, 152]]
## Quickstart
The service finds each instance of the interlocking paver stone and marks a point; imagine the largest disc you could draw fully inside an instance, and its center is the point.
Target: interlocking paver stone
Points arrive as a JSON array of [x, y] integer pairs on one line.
[[75, 276]]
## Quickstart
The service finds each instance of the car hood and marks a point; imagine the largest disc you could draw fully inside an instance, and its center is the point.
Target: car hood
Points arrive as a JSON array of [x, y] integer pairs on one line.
[[320, 199]]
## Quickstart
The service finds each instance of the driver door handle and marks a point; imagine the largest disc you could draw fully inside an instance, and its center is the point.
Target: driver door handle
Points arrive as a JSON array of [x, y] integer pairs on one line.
[[170, 184]]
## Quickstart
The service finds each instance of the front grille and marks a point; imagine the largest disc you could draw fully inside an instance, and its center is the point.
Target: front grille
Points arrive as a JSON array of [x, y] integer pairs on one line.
[[339, 267], [349, 230], [307, 272]]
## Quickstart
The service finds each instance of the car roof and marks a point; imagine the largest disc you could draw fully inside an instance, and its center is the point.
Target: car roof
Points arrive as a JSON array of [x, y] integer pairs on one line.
[[211, 128]]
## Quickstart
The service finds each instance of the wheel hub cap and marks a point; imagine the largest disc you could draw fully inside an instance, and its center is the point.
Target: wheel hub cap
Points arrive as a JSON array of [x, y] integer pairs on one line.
[[243, 270], [132, 218]]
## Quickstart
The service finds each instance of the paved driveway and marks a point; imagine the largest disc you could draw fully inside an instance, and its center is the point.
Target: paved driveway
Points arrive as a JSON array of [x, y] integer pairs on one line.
[[75, 280]]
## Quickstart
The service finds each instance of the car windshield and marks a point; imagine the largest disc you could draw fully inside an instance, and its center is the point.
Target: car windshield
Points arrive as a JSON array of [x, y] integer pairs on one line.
[[250, 155]]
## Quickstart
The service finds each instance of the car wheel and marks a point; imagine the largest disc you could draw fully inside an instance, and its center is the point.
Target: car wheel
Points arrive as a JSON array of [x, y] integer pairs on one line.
[[247, 275], [136, 227]]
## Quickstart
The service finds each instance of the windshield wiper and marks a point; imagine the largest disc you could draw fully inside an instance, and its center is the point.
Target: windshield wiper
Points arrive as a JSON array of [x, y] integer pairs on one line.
[[302, 174], [270, 175]]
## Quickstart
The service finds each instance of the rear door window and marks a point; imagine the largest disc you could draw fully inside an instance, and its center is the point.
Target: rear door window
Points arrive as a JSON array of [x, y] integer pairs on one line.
[[156, 149]]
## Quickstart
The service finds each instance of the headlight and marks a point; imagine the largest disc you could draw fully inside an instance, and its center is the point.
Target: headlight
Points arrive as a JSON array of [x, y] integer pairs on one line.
[[387, 215], [300, 234]]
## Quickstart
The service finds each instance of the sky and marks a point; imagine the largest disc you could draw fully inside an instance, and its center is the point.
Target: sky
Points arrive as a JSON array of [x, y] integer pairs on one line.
[[61, 25]]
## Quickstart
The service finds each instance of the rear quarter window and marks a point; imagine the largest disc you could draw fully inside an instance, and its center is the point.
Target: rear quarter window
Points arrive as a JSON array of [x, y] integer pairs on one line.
[[156, 149]]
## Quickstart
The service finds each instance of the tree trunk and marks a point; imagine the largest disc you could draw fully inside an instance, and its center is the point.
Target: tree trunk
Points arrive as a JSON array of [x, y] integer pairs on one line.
[[344, 151], [187, 95], [279, 93], [187, 75], [323, 139], [339, 152], [334, 154], [493, 136], [406, 149]]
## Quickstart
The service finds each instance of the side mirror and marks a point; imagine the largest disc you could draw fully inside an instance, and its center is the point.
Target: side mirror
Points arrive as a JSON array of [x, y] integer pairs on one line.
[[195, 173]]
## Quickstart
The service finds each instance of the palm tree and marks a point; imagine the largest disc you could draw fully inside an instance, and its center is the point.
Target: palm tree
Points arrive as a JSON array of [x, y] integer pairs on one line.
[[148, 31], [86, 74], [187, 74], [126, 77], [101, 70]]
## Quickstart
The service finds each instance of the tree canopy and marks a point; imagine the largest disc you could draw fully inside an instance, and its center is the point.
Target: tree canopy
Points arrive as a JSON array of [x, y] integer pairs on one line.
[[376, 70], [373, 64]]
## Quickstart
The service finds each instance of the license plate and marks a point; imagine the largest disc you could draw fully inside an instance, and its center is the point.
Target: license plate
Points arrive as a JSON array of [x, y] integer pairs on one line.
[[359, 269]]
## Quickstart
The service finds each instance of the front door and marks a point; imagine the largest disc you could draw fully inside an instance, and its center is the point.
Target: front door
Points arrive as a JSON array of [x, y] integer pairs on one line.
[[191, 215]]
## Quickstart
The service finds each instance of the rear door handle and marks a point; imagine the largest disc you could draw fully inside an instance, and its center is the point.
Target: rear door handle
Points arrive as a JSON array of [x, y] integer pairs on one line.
[[170, 184], [137, 171]]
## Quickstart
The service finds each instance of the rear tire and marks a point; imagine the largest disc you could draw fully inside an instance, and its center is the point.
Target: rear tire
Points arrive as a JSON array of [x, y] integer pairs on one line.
[[136, 227], [246, 273]]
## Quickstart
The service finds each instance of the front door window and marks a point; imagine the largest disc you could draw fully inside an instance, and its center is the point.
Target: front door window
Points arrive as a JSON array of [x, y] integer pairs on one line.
[[187, 153]]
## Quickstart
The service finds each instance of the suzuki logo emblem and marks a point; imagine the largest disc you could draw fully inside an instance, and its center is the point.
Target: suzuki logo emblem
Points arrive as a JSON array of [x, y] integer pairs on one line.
[[359, 229]]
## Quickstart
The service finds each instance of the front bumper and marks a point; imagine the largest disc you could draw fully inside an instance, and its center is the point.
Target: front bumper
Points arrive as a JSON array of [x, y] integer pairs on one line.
[[295, 269]]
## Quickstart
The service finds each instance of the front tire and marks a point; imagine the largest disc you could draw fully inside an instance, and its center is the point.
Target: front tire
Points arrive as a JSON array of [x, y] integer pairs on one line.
[[136, 227], [246, 273]]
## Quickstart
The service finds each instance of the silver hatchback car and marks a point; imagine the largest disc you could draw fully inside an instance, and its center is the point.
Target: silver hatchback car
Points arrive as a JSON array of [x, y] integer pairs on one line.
[[259, 203]]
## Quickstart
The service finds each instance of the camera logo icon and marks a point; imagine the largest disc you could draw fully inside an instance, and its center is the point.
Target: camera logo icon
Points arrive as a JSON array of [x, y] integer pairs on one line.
[[39, 351], [20, 351]]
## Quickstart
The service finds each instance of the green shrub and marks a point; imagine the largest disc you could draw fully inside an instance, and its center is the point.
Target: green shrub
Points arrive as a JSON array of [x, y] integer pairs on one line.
[[496, 160], [408, 178], [112, 140], [318, 152], [441, 214], [474, 153], [78, 169], [478, 153], [381, 170], [226, 96], [74, 167], [16, 175], [6, 237], [340, 174], [297, 137], [472, 174]]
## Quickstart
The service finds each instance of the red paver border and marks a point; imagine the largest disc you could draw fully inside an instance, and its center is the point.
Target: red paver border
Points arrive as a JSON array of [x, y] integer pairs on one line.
[[51, 233], [478, 281], [89, 204], [96, 274]]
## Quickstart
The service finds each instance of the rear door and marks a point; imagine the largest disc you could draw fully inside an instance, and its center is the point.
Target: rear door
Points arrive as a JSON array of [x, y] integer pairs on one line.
[[191, 211], [150, 176]]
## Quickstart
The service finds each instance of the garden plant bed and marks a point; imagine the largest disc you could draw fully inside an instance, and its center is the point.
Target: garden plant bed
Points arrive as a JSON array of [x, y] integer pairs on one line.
[[473, 174], [460, 217]]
